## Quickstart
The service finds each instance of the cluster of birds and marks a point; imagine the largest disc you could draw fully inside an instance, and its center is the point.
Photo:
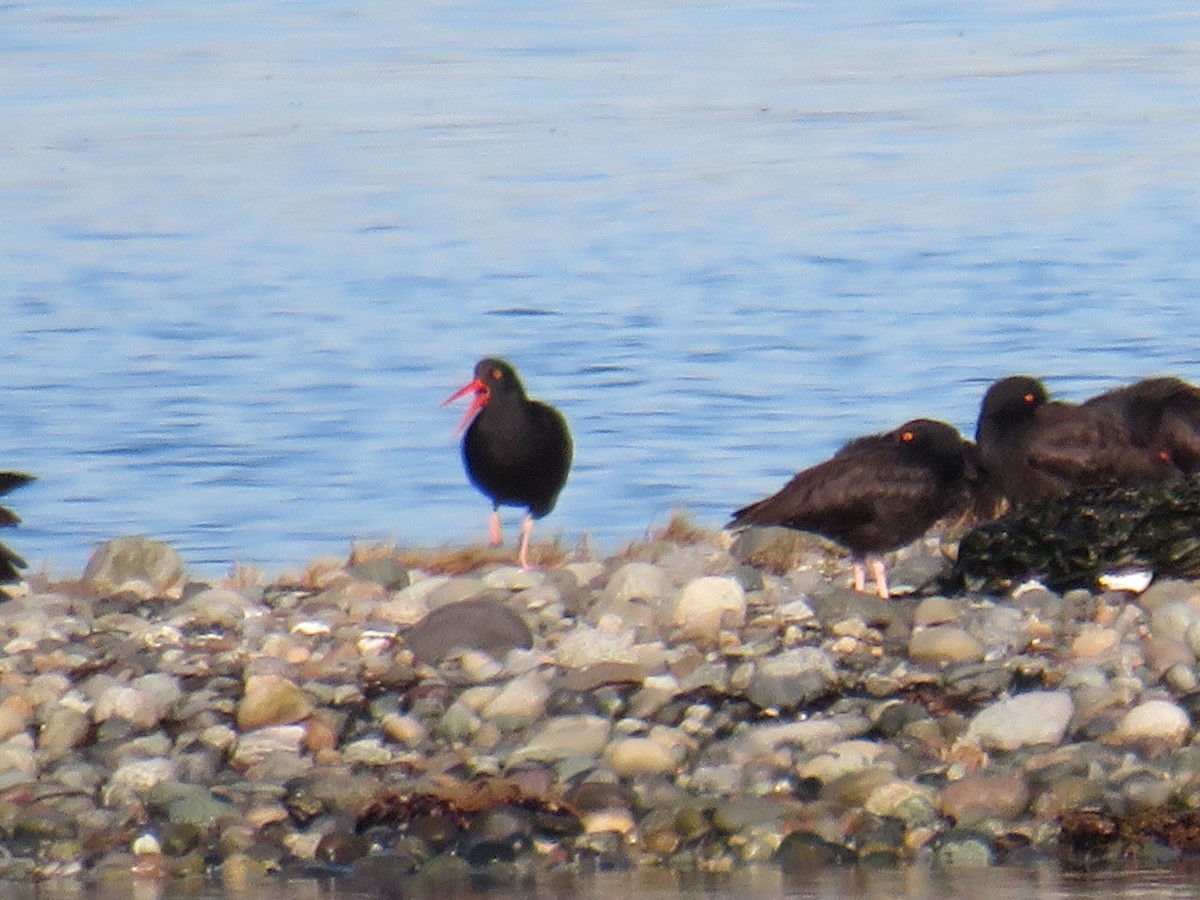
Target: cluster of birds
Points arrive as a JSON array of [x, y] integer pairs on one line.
[[1060, 490], [1107, 479]]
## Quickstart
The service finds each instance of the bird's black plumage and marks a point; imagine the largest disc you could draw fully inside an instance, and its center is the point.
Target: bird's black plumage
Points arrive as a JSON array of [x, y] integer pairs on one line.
[[1161, 413], [10, 562], [877, 493], [517, 451], [1034, 449]]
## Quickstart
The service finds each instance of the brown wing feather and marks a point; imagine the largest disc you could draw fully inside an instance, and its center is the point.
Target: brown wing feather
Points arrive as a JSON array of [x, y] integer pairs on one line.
[[1082, 447], [828, 490], [868, 500]]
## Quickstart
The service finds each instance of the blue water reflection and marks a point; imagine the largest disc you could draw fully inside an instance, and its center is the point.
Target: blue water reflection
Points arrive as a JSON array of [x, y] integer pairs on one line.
[[244, 265]]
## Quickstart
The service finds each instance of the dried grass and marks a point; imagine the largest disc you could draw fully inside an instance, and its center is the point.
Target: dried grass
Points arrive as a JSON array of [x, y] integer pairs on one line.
[[448, 560], [678, 530]]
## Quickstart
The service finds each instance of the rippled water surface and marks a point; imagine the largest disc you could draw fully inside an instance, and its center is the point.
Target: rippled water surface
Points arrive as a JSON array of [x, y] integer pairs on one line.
[[249, 248]]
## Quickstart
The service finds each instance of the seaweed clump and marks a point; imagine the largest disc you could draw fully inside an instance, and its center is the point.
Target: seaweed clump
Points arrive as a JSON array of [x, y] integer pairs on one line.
[[1072, 541]]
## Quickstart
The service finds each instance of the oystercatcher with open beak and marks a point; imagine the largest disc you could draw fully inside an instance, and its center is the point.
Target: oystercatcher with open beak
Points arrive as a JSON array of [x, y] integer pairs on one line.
[[517, 451]]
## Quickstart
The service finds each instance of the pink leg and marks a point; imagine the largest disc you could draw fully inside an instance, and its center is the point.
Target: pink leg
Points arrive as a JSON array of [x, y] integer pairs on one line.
[[860, 575], [495, 538], [880, 575], [526, 531]]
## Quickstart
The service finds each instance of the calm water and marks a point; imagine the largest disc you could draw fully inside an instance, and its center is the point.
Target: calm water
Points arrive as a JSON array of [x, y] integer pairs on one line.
[[913, 883], [248, 248]]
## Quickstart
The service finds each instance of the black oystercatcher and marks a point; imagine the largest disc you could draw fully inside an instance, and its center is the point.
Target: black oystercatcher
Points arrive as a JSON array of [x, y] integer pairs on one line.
[[10, 562], [1036, 449], [1161, 413], [516, 450], [877, 493]]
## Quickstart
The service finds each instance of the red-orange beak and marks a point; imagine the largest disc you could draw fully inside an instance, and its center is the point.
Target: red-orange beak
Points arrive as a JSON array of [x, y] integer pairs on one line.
[[478, 402]]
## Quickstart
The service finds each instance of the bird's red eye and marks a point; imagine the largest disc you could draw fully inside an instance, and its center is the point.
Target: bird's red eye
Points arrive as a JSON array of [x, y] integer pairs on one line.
[[497, 374], [1164, 455], [1029, 398], [908, 437]]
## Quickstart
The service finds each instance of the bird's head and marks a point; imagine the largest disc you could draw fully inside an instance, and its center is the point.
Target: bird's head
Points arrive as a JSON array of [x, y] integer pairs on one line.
[[1015, 398], [491, 376]]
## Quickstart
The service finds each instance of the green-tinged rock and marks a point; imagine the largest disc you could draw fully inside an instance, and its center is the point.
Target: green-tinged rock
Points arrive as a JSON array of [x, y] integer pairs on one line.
[[444, 870], [963, 848], [383, 571], [880, 842], [199, 809], [340, 847], [180, 838], [458, 723], [803, 852]]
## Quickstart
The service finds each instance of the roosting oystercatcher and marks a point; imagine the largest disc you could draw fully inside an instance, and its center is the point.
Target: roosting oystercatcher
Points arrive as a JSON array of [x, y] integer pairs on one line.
[[517, 451], [877, 493], [1162, 413], [1035, 449]]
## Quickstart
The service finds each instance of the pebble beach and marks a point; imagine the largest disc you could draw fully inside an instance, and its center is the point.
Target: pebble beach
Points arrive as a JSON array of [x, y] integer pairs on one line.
[[694, 702]]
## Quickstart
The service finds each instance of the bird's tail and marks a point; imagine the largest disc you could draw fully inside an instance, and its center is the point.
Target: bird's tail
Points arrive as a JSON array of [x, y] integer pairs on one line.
[[10, 481]]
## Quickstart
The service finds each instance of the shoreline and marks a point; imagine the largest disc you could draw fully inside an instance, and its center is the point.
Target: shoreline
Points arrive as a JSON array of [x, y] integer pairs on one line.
[[666, 706]]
